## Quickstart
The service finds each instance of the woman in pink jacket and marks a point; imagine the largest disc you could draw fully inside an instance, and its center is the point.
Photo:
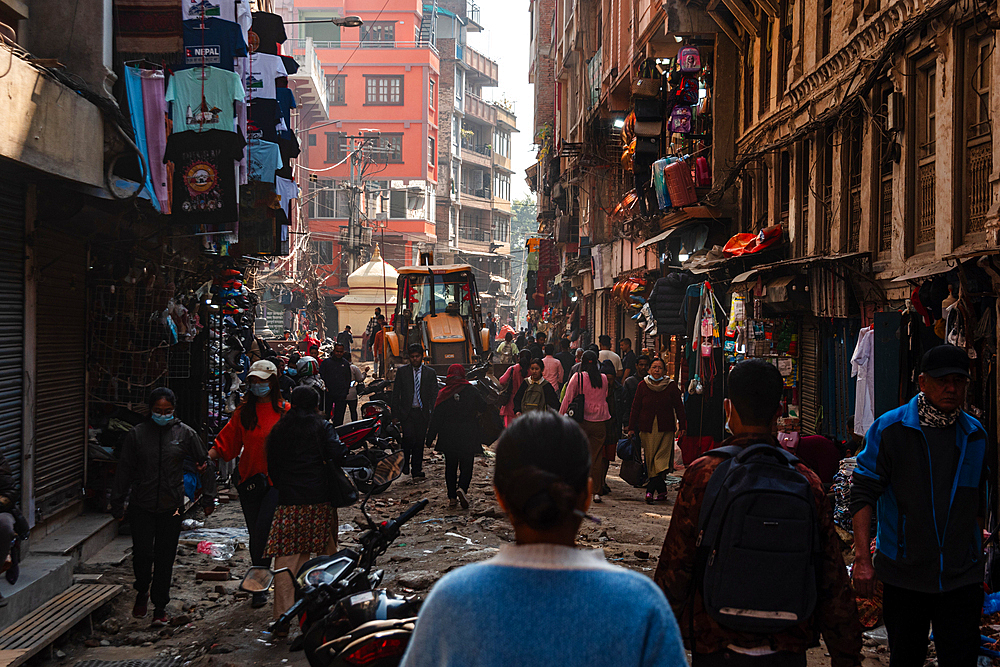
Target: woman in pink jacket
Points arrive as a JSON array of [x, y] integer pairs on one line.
[[515, 375], [594, 386]]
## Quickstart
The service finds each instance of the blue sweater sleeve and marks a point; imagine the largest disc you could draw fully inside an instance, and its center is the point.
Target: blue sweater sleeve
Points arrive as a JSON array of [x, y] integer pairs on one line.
[[663, 644], [871, 477]]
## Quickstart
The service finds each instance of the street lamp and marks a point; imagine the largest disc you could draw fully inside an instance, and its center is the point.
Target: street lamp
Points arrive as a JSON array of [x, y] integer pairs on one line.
[[345, 22]]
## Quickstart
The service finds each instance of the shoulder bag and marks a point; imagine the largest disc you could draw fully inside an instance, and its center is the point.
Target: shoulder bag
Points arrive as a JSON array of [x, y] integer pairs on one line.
[[508, 390], [576, 406]]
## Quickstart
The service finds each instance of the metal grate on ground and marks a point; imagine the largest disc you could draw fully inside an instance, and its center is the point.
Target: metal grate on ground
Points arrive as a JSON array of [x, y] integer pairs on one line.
[[154, 662]]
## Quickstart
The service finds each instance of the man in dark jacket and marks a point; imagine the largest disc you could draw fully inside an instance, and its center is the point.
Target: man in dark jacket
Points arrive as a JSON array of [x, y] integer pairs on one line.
[[631, 383], [336, 374], [566, 358], [538, 346], [346, 338], [752, 409], [413, 394], [150, 477], [923, 469], [666, 300]]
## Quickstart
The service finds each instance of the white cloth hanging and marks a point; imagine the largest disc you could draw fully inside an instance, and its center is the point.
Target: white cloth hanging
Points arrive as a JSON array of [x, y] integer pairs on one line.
[[863, 367]]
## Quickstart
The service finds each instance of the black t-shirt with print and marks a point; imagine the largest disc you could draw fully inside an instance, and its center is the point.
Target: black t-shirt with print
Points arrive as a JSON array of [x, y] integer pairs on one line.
[[270, 31], [289, 151], [205, 175], [262, 119], [212, 42]]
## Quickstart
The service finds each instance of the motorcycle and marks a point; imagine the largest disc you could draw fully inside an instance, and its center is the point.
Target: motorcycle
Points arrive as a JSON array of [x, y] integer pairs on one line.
[[346, 619], [367, 440]]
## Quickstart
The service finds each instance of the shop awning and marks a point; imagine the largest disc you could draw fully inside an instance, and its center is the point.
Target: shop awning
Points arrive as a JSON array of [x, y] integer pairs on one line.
[[931, 269], [671, 221], [785, 263]]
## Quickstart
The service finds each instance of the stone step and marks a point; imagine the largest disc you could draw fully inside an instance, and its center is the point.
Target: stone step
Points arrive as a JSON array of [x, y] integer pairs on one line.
[[42, 578], [79, 539]]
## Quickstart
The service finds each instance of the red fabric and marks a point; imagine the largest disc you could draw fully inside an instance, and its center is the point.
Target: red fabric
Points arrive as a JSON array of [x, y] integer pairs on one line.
[[821, 455], [233, 440], [745, 244], [456, 381], [665, 406], [694, 447]]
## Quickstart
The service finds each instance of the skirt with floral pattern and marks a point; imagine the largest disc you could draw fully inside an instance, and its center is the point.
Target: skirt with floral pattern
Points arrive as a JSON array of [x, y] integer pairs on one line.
[[301, 529]]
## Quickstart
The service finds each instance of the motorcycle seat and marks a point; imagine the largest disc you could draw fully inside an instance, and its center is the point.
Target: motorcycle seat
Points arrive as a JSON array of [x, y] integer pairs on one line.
[[351, 427]]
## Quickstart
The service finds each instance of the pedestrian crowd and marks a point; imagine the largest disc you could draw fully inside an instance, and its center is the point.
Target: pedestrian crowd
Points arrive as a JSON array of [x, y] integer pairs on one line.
[[750, 572]]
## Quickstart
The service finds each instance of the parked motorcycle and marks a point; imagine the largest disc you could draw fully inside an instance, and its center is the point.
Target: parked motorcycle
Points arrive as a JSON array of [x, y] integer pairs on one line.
[[346, 619]]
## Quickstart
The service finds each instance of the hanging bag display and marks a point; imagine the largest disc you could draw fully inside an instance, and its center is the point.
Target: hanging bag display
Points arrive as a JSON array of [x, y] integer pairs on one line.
[[680, 120], [689, 59], [679, 184]]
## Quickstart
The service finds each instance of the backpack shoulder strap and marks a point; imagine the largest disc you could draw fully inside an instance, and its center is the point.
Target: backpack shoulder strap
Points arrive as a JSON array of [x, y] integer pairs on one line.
[[715, 483]]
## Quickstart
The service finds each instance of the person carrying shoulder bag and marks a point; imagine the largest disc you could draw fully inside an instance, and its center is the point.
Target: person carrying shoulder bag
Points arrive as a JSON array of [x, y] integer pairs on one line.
[[593, 386]]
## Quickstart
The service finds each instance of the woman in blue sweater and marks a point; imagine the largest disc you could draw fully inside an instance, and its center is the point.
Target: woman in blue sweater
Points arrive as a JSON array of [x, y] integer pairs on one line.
[[542, 601]]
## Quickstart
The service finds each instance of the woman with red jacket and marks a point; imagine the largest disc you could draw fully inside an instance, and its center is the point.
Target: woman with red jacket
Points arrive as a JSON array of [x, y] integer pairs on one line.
[[245, 436], [657, 415]]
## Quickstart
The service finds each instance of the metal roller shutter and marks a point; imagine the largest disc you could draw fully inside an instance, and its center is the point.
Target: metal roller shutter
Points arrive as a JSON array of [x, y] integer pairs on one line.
[[11, 314], [809, 379], [61, 357]]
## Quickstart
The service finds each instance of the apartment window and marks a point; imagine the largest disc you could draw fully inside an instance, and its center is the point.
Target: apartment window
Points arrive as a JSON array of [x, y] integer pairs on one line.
[[599, 25], [747, 87], [766, 56], [328, 199], [320, 32], [785, 48], [784, 188], [432, 93], [397, 204], [925, 110], [826, 194], [335, 89], [322, 252], [501, 186], [825, 26], [431, 151], [387, 148], [746, 203], [804, 192], [384, 90], [337, 146], [763, 198], [379, 35], [854, 148], [883, 192], [978, 132]]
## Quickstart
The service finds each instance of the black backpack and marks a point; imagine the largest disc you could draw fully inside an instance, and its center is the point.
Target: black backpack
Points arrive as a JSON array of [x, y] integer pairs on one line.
[[758, 540]]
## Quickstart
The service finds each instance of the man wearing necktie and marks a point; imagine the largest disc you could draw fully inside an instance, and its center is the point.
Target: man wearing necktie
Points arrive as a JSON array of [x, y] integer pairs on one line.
[[413, 395]]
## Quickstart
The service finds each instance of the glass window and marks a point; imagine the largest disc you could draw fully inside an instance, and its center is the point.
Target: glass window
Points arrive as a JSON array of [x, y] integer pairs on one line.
[[327, 32], [380, 34], [337, 146], [322, 252], [387, 148], [450, 293], [431, 151], [384, 90], [335, 89]]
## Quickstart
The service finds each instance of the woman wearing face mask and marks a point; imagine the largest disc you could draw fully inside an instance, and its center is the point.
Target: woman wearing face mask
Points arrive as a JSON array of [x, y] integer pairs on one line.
[[150, 477], [593, 384], [657, 415], [245, 435], [286, 376], [305, 523], [546, 602]]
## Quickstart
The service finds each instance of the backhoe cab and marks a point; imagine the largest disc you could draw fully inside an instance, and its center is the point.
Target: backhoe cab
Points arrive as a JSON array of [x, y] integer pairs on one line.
[[438, 307]]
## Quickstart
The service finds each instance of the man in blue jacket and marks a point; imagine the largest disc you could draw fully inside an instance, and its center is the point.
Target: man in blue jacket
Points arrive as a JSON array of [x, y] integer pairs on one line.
[[923, 469]]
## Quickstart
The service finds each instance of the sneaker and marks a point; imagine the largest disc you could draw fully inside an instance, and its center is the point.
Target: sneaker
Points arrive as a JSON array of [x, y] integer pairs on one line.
[[597, 498], [463, 499], [160, 618], [649, 498], [139, 609], [453, 502], [258, 600]]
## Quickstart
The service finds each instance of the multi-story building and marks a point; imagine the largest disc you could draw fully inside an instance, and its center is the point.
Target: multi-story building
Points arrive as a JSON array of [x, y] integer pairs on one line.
[[381, 89], [473, 193]]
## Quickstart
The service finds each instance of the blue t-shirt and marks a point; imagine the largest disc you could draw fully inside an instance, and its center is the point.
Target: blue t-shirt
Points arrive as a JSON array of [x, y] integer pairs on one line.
[[286, 102], [215, 45], [264, 159], [545, 605]]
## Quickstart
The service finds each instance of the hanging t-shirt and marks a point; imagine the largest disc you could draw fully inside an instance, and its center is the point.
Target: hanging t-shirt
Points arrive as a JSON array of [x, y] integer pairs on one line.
[[269, 31], [286, 102], [217, 44], [227, 10], [289, 151], [863, 366], [205, 175], [264, 69], [265, 159], [287, 190], [263, 119], [291, 65], [214, 111]]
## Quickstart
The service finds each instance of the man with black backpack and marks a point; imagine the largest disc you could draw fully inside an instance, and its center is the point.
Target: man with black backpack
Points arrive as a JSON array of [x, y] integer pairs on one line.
[[751, 563]]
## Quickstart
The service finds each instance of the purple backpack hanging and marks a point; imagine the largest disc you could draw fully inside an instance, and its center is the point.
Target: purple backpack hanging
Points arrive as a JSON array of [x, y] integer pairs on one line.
[[689, 59], [680, 120]]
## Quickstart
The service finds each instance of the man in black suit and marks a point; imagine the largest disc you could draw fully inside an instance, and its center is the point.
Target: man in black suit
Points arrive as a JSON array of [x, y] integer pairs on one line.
[[413, 394]]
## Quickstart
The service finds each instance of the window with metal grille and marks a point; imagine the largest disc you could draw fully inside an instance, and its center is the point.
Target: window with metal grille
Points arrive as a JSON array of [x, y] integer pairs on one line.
[[384, 90], [883, 194], [854, 148], [322, 252], [925, 112], [785, 47], [327, 199], [826, 194], [766, 53], [803, 194], [978, 131], [825, 27], [747, 87], [335, 90], [784, 188]]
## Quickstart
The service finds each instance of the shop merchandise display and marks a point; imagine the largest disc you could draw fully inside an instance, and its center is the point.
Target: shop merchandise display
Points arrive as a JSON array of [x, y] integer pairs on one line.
[[205, 175]]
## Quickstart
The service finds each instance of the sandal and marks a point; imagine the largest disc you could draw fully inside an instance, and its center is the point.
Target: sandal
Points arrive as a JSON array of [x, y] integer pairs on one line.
[[649, 498]]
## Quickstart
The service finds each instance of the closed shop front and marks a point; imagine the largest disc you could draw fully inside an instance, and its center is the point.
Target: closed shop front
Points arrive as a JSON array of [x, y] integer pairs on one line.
[[61, 354], [11, 315]]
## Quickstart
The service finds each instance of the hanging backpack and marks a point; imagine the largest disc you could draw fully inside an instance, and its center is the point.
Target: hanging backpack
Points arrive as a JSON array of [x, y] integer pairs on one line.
[[689, 59], [758, 515], [534, 397]]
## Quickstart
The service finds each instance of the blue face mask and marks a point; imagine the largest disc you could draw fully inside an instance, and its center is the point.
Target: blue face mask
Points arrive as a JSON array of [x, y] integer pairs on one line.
[[292, 371], [260, 390], [162, 420]]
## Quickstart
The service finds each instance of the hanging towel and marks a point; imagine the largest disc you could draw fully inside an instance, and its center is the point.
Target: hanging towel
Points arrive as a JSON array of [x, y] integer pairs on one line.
[[134, 89]]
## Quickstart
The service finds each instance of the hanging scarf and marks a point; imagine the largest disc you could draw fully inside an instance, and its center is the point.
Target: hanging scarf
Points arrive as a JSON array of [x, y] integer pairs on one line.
[[657, 385], [933, 417], [455, 383]]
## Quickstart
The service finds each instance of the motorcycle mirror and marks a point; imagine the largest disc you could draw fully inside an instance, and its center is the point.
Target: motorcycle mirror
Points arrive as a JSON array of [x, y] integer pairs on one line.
[[257, 580], [388, 469]]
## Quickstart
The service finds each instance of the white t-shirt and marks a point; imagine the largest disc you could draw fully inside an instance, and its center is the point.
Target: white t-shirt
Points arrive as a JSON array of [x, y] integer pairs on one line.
[[237, 11], [605, 355], [287, 190], [264, 69]]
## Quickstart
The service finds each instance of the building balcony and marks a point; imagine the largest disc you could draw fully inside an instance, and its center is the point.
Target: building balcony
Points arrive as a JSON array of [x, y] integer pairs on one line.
[[476, 154], [309, 84], [506, 117], [501, 205], [351, 46], [474, 17], [480, 198], [501, 162], [477, 108], [482, 70], [469, 233]]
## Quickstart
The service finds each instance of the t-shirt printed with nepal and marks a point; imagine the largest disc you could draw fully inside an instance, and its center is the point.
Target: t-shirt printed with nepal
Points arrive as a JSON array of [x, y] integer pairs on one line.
[[212, 42], [204, 174], [214, 111]]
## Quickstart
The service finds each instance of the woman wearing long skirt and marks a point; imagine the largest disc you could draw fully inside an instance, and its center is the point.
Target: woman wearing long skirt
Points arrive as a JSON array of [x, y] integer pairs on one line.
[[593, 384], [658, 416]]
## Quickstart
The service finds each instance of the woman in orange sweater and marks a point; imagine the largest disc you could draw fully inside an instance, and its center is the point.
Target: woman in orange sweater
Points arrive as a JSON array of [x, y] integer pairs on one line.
[[245, 435]]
